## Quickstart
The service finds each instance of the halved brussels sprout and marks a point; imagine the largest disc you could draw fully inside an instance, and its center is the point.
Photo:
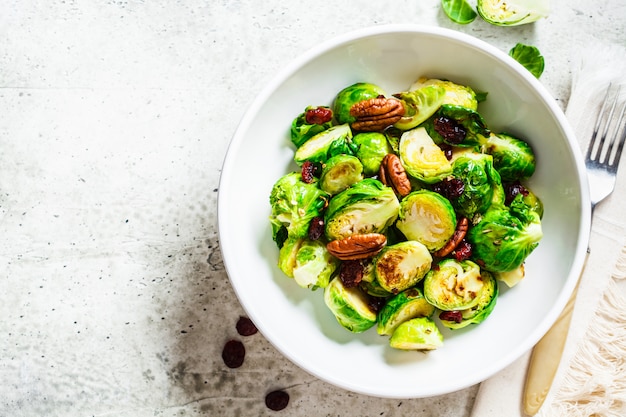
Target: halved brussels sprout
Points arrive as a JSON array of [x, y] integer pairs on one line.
[[504, 238], [478, 313], [454, 285], [512, 12], [420, 333], [340, 172], [349, 305], [457, 126], [427, 217], [369, 284], [301, 130], [314, 265], [287, 255], [455, 94], [367, 207], [332, 141], [371, 149], [419, 105], [294, 203], [480, 181], [401, 266], [351, 95], [422, 158], [402, 307], [512, 157]]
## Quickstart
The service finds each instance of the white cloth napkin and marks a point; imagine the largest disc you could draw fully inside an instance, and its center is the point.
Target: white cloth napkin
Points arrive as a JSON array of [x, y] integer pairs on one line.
[[591, 379]]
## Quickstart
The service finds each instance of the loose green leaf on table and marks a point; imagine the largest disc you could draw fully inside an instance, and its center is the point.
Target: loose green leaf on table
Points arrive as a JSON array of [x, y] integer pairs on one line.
[[529, 57], [459, 11]]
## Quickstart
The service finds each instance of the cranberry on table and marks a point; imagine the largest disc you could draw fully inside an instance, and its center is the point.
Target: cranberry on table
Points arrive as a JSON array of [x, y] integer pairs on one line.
[[277, 400], [233, 353], [245, 326]]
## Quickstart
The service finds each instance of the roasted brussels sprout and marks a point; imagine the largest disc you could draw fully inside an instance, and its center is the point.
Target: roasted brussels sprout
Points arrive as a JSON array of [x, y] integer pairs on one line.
[[427, 217], [512, 12], [528, 198], [402, 307], [314, 266], [287, 255], [504, 237], [480, 180], [453, 285], [419, 105], [294, 203], [305, 126], [477, 314], [340, 172], [420, 333], [371, 149], [366, 207], [333, 141], [351, 95], [457, 126], [512, 157], [349, 305], [401, 266], [422, 158], [455, 94], [370, 284]]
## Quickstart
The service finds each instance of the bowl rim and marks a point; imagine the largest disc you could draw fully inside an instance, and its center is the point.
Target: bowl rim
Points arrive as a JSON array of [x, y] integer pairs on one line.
[[387, 29]]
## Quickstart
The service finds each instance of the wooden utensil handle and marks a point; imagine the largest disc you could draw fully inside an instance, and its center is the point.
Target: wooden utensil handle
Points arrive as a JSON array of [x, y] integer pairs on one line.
[[546, 356]]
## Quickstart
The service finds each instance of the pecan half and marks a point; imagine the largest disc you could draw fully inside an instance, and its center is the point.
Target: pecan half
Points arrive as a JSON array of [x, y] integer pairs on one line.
[[357, 246], [392, 174], [459, 234], [376, 114]]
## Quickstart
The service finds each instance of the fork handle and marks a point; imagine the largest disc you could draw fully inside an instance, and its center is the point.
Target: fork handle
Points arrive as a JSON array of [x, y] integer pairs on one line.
[[546, 356]]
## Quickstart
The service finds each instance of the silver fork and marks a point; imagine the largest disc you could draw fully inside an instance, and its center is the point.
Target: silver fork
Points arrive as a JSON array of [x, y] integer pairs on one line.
[[602, 160], [602, 157]]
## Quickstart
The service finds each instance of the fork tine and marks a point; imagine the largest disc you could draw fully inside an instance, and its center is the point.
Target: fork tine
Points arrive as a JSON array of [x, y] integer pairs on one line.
[[620, 146], [613, 140], [592, 143]]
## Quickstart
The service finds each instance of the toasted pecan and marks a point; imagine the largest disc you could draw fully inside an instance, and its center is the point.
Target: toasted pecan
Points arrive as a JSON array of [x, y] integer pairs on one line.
[[359, 246], [459, 234], [376, 114], [392, 174]]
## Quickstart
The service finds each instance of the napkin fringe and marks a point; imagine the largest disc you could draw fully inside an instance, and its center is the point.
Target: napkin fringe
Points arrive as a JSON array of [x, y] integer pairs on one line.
[[595, 384]]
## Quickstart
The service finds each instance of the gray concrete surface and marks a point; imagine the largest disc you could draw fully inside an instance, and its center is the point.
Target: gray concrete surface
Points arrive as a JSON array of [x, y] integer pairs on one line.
[[115, 117]]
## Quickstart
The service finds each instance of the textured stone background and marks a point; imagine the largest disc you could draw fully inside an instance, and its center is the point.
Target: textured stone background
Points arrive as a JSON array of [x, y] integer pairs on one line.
[[115, 117]]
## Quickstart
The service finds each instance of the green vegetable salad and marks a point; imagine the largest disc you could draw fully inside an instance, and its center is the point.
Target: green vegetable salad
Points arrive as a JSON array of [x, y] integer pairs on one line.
[[407, 210]]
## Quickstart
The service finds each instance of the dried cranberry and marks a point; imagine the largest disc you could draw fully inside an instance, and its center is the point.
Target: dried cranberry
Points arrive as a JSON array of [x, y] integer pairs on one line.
[[308, 172], [245, 326], [318, 115], [277, 400], [512, 190], [455, 316], [452, 132], [316, 228], [450, 187], [375, 303], [233, 353], [351, 273], [463, 250]]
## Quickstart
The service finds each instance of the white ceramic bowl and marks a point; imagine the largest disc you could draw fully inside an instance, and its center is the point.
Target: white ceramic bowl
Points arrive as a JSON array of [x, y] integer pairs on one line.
[[295, 320]]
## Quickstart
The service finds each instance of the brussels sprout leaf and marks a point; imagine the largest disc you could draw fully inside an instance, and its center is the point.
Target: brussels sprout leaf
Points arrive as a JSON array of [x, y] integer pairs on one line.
[[529, 57], [459, 11]]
